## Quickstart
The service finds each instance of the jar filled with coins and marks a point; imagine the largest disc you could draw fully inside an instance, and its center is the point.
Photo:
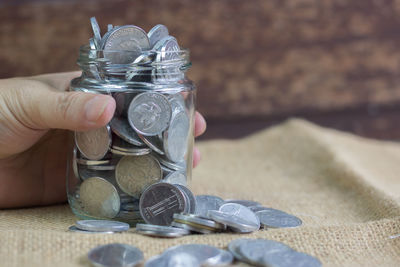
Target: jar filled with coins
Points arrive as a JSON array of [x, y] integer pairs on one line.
[[150, 138]]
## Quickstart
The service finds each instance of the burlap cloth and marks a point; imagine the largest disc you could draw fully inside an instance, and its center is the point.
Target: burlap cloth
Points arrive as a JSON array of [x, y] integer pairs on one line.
[[346, 189]]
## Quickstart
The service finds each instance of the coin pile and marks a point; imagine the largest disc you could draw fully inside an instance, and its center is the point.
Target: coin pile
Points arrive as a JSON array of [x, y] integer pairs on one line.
[[148, 140], [211, 215]]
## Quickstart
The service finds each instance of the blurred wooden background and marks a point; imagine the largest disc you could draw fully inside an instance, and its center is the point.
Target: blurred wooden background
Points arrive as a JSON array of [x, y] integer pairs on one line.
[[255, 63]]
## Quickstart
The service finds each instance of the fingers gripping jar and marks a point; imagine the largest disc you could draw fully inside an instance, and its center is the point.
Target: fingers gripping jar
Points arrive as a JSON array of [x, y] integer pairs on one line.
[[149, 139]]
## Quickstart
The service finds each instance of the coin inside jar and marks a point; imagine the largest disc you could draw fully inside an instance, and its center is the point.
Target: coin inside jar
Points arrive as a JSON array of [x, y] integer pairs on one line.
[[99, 198], [94, 144], [135, 173]]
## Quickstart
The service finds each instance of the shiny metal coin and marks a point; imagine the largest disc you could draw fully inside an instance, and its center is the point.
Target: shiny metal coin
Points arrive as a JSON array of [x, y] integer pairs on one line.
[[203, 253], [122, 129], [240, 211], [289, 259], [153, 142], [130, 39], [173, 260], [224, 258], [199, 222], [101, 167], [277, 219], [176, 137], [96, 31], [74, 163], [236, 223], [175, 177], [192, 228], [94, 144], [190, 198], [157, 33], [177, 103], [121, 145], [160, 231], [102, 226], [73, 228], [115, 255], [253, 251], [149, 113], [166, 171], [234, 245], [204, 203], [135, 173], [138, 69], [91, 162], [99, 198], [167, 48], [260, 208], [137, 152], [109, 27], [177, 166], [159, 202], [246, 203]]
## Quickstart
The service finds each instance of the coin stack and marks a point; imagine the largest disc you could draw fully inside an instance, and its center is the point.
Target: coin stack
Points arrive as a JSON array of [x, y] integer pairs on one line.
[[149, 139]]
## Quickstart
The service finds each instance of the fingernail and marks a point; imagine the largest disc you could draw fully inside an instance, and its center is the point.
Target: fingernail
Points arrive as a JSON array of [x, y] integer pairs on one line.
[[95, 107]]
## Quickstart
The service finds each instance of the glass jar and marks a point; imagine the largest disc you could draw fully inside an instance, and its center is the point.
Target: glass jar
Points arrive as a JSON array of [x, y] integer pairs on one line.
[[149, 140]]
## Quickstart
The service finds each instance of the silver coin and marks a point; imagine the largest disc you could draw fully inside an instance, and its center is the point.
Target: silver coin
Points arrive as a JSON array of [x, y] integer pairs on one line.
[[130, 206], [175, 177], [177, 166], [166, 171], [94, 144], [157, 33], [135, 173], [122, 128], [173, 260], [101, 167], [149, 113], [92, 45], [260, 208], [236, 223], [96, 31], [190, 197], [167, 49], [176, 137], [130, 39], [199, 222], [144, 60], [73, 228], [153, 142], [159, 202], [203, 253], [115, 255], [192, 228], [102, 226], [92, 162], [289, 259], [141, 151], [254, 250], [161, 231], [121, 145], [204, 203], [224, 258], [109, 27], [277, 219], [240, 211], [99, 198], [246, 203], [74, 162], [234, 245], [177, 103]]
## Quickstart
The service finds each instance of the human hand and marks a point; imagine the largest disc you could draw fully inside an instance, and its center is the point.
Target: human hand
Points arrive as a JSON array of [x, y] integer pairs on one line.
[[35, 114]]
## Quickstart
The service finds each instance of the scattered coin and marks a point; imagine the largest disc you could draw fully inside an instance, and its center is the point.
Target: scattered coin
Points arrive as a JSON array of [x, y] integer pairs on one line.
[[198, 222], [135, 173], [246, 203], [204, 203], [191, 228], [160, 201], [115, 255], [240, 211], [102, 226], [94, 144], [73, 228], [277, 219], [99, 198], [160, 231], [149, 113], [236, 223]]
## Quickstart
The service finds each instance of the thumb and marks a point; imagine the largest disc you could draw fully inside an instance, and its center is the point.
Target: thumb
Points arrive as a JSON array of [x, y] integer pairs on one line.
[[43, 107]]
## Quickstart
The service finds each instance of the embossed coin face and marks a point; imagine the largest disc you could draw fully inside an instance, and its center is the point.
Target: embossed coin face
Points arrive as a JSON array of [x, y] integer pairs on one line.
[[94, 144], [115, 255], [125, 38], [157, 33], [160, 201], [149, 113], [99, 198], [167, 49], [240, 211], [135, 173], [176, 137]]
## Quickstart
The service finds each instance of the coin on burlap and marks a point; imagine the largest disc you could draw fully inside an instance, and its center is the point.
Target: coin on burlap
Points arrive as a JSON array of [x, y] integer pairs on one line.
[[135, 173], [99, 198]]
